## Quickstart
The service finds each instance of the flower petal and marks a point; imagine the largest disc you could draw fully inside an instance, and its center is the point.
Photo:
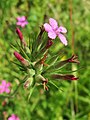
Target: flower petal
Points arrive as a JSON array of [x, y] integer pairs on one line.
[[23, 18], [8, 84], [26, 22], [63, 39], [62, 29], [53, 23], [23, 25], [18, 23], [52, 34], [47, 27], [20, 19], [13, 117], [1, 91], [7, 90], [0, 86], [3, 83]]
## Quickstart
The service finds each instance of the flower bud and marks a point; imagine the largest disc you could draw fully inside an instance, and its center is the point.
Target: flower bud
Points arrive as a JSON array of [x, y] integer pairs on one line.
[[21, 59], [20, 35]]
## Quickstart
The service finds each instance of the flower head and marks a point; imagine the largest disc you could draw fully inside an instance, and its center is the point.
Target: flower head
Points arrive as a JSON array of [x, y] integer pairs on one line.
[[13, 117], [21, 21], [4, 87], [54, 31]]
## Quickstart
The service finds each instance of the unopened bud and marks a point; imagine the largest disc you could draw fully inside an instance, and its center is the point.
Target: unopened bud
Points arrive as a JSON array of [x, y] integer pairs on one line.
[[21, 59], [20, 35]]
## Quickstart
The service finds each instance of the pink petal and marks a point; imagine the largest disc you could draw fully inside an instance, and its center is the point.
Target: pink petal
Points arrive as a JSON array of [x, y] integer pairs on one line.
[[8, 84], [13, 117], [62, 29], [3, 82], [47, 27], [25, 22], [7, 90], [2, 90], [18, 23], [10, 118], [53, 23], [23, 25], [23, 18], [63, 39], [17, 118], [0, 86], [18, 18], [52, 34]]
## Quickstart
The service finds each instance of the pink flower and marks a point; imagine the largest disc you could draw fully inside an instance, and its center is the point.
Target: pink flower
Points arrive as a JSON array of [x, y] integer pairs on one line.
[[21, 21], [13, 117], [54, 31], [4, 87]]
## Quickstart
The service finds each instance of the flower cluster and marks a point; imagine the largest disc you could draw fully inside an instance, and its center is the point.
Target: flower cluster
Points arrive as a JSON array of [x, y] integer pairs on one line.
[[36, 60]]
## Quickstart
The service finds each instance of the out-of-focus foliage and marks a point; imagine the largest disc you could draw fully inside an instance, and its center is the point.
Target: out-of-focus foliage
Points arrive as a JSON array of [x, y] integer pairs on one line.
[[73, 102]]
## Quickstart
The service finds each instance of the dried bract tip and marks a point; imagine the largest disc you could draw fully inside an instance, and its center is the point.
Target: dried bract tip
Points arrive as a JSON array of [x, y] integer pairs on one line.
[[49, 43], [70, 77], [42, 29], [42, 61], [44, 84], [73, 59]]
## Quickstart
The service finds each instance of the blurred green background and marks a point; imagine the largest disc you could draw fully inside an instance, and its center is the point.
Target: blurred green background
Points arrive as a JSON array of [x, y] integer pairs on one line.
[[73, 103]]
